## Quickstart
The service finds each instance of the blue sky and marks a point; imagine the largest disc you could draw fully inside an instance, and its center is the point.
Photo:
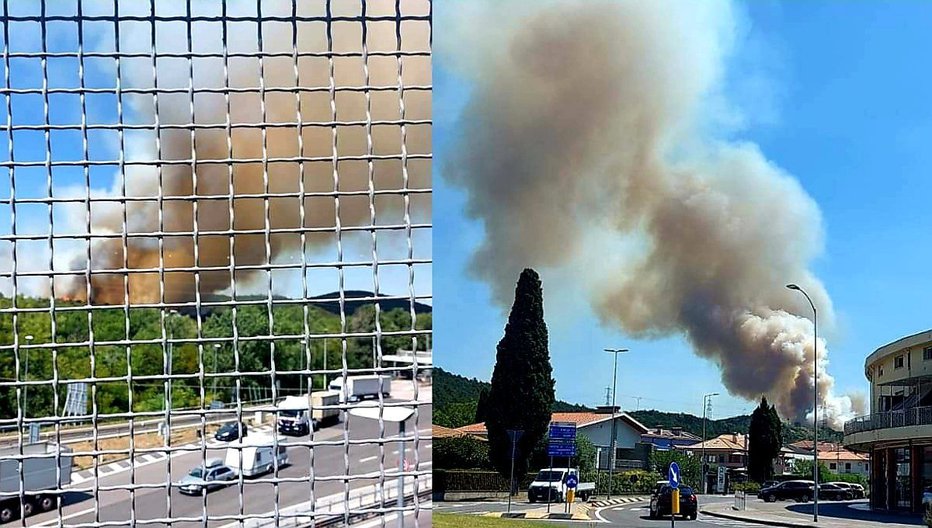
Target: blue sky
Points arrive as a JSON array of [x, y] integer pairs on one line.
[[836, 94]]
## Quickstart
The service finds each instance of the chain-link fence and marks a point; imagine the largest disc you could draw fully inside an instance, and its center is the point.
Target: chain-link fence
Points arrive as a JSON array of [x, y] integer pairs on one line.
[[215, 258]]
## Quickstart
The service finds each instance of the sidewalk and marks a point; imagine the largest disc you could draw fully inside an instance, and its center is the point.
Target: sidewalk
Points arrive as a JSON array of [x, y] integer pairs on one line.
[[833, 515]]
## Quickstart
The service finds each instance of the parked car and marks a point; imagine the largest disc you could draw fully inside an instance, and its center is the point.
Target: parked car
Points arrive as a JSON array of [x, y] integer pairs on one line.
[[798, 490], [769, 484], [231, 431], [829, 491], [203, 479], [855, 491], [661, 501]]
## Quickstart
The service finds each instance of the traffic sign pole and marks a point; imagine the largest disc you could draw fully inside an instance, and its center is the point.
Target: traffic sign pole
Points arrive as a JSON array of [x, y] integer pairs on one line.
[[549, 487]]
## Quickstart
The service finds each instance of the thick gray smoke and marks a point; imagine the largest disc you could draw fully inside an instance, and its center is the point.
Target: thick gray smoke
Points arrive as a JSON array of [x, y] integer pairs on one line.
[[586, 130], [225, 203]]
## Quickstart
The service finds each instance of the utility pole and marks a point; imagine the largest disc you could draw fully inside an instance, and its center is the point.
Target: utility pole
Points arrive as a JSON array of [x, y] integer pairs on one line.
[[29, 339], [608, 395], [611, 456], [706, 404]]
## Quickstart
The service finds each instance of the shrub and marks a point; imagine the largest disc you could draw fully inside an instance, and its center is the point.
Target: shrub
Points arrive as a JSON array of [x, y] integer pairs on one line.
[[461, 452], [458, 480], [750, 487]]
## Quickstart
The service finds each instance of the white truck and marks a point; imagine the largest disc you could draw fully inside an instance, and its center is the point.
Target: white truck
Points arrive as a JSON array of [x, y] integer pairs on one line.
[[294, 417], [258, 455], [363, 387], [51, 472], [553, 481]]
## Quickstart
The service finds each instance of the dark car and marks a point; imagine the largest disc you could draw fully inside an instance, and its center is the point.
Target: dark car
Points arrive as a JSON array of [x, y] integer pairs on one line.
[[661, 501], [231, 431], [798, 490], [829, 491], [855, 491]]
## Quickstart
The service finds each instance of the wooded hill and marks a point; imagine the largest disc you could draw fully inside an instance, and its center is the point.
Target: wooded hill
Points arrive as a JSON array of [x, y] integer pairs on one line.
[[456, 397]]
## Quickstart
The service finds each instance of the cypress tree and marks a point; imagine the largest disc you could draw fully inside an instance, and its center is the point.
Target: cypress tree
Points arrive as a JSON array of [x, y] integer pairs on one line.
[[764, 441], [522, 390], [482, 405]]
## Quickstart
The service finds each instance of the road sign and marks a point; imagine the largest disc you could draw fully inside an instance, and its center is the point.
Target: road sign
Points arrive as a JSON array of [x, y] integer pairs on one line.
[[673, 475], [561, 450], [562, 431], [514, 435], [720, 481], [572, 481]]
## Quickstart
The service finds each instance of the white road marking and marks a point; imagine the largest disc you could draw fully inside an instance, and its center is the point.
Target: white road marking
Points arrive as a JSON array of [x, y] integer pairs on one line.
[[367, 459]]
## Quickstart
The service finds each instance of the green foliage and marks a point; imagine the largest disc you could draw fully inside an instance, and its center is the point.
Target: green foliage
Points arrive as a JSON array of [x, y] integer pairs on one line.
[[482, 406], [764, 441], [853, 478], [690, 466], [155, 335], [735, 424], [632, 481], [522, 391], [751, 488], [461, 452], [803, 468], [455, 414]]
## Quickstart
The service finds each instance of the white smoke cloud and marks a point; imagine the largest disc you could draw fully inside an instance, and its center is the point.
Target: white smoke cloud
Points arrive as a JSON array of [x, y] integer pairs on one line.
[[600, 117]]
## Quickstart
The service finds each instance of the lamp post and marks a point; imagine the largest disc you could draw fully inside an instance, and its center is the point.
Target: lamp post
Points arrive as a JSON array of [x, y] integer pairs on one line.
[[29, 339], [398, 415], [705, 406], [611, 455], [214, 386], [815, 401]]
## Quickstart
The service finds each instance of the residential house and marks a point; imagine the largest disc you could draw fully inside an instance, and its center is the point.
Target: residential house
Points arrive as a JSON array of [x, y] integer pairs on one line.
[[597, 428], [729, 450], [666, 439]]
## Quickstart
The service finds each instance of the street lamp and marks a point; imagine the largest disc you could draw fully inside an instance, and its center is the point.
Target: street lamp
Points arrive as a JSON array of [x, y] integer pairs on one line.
[[815, 402], [705, 476], [398, 415], [214, 385], [29, 339], [611, 456]]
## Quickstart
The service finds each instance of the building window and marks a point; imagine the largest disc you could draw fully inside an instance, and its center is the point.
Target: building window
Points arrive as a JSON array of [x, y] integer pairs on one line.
[[831, 466], [898, 362], [880, 371], [903, 490], [927, 353], [848, 466], [721, 459]]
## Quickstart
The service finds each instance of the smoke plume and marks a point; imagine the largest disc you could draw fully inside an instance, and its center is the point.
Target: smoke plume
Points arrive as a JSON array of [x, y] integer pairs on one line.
[[199, 232], [587, 130]]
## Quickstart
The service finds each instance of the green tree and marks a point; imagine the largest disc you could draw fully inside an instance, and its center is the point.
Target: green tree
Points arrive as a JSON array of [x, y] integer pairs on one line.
[[460, 452], [764, 441], [522, 390], [482, 405], [690, 469]]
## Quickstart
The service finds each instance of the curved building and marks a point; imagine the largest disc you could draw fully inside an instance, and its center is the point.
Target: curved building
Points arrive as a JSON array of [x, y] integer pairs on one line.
[[898, 431]]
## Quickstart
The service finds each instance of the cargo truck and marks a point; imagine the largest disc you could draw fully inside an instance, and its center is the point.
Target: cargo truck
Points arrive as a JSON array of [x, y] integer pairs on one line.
[[552, 482], [363, 387], [38, 475], [294, 418], [324, 407]]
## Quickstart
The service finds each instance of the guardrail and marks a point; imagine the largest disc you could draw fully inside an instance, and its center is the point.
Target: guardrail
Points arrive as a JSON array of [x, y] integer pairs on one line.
[[334, 509], [886, 420]]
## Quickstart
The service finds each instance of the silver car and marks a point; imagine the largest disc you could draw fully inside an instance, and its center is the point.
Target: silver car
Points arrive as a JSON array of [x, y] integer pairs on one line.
[[203, 479]]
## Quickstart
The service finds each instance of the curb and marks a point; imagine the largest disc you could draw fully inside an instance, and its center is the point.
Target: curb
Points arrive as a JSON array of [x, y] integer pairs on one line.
[[768, 522], [542, 517]]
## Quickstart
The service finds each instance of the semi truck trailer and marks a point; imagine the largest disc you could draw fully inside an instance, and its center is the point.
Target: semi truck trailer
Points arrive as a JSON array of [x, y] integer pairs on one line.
[[43, 467]]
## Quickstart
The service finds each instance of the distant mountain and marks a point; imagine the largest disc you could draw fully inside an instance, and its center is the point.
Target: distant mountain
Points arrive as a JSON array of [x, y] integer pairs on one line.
[[353, 300], [455, 400]]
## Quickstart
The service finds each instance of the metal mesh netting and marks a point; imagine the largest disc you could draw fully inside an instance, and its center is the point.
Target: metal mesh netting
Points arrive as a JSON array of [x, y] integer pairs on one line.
[[215, 258]]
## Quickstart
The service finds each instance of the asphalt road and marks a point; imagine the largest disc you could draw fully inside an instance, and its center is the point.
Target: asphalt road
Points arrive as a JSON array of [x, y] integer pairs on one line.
[[329, 464], [636, 515]]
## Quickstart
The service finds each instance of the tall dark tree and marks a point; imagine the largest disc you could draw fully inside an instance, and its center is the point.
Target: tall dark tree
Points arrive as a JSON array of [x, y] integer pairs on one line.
[[764, 441], [522, 391], [482, 405]]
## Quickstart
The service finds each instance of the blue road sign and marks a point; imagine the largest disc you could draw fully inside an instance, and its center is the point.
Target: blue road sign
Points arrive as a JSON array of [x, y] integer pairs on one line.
[[674, 475], [572, 481], [561, 450], [562, 431]]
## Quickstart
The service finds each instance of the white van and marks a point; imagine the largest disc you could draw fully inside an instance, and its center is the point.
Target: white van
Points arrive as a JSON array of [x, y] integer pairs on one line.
[[258, 455]]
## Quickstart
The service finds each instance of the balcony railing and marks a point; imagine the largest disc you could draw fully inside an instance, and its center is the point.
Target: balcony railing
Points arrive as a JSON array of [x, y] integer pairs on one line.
[[886, 420]]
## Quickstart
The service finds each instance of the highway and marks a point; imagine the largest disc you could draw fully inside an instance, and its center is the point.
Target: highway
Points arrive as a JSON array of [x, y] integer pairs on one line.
[[329, 462]]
